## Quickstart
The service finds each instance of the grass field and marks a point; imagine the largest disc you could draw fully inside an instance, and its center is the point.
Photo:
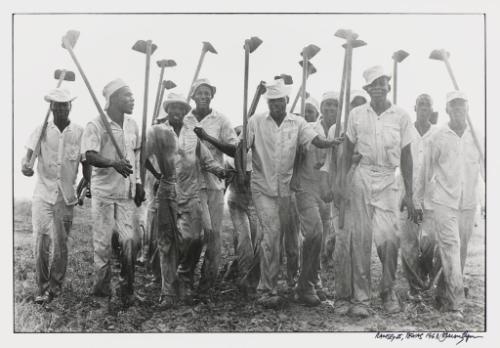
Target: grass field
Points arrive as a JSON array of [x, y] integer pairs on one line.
[[223, 310]]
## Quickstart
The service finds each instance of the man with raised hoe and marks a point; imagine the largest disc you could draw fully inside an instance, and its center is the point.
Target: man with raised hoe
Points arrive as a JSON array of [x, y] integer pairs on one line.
[[54, 196], [382, 134], [116, 185]]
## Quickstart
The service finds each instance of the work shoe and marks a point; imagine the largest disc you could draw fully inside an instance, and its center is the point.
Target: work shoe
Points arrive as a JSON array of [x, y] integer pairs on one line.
[[359, 311], [342, 307], [391, 303], [270, 301], [44, 298], [321, 294], [309, 299], [167, 301]]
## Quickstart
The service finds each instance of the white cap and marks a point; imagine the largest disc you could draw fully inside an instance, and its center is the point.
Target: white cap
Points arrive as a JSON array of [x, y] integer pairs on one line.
[[359, 93], [59, 95], [175, 98], [313, 102], [456, 95], [201, 82], [330, 95], [373, 73], [277, 89], [111, 88]]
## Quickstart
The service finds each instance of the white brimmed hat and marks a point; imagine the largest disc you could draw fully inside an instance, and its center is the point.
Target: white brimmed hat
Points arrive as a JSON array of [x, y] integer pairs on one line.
[[201, 82], [313, 102], [456, 95], [59, 95], [277, 89], [176, 98], [373, 73], [111, 88], [330, 95]]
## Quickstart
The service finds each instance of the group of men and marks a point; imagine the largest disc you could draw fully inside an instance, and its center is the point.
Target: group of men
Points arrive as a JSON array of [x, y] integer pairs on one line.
[[294, 181]]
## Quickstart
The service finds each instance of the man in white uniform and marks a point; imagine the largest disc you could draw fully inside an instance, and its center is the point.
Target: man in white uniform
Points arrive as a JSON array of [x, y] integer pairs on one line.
[[116, 185], [54, 196], [315, 214], [451, 181], [274, 137], [382, 134], [417, 240], [218, 126]]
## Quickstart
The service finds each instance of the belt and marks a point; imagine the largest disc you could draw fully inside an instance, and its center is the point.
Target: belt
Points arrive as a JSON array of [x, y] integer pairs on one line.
[[378, 169]]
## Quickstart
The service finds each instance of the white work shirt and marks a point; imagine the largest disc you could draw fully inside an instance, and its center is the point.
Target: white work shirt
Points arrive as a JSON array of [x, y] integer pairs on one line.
[[312, 159], [107, 182], [218, 126], [274, 149], [193, 165], [58, 161], [419, 149], [380, 138], [452, 169]]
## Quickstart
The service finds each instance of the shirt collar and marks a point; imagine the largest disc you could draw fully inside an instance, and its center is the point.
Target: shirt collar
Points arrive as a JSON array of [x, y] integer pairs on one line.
[[448, 129], [191, 115], [68, 128], [166, 125], [126, 119], [368, 107], [429, 132], [288, 116]]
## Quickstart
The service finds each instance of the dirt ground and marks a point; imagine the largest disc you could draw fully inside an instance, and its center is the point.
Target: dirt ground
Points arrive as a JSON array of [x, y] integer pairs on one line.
[[222, 311]]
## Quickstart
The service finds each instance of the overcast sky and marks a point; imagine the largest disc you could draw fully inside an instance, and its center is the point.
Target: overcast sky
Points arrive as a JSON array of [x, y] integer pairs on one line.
[[104, 51]]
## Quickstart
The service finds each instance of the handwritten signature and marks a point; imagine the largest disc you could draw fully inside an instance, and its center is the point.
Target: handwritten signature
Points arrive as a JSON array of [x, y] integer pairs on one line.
[[438, 336]]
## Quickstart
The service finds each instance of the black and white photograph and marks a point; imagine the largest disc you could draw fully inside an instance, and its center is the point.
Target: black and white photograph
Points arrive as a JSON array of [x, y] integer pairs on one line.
[[251, 172]]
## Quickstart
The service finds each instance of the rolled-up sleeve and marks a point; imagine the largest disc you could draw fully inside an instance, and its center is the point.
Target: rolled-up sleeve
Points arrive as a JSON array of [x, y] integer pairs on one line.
[[33, 139], [227, 133], [91, 140], [306, 133], [352, 132], [406, 129]]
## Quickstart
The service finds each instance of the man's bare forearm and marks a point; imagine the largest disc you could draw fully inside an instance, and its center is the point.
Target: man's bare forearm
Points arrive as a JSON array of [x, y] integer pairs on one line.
[[407, 170], [225, 148], [149, 166], [96, 160], [86, 170], [321, 142], [348, 154]]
